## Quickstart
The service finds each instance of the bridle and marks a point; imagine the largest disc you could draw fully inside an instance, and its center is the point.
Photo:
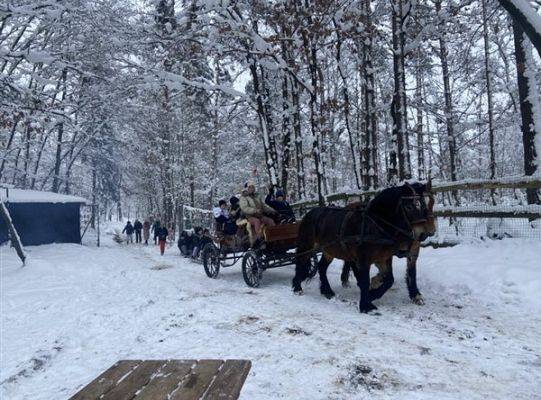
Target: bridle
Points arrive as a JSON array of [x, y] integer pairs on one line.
[[422, 215]]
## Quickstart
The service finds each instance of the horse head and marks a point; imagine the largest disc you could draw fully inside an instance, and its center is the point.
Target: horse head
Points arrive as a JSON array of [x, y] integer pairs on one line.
[[406, 210], [419, 210]]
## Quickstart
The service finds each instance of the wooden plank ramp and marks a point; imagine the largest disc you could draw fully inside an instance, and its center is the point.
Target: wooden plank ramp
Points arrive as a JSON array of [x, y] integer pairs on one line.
[[168, 379]]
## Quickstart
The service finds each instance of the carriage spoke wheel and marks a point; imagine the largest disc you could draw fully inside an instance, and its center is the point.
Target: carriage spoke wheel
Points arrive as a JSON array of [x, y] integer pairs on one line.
[[314, 260], [211, 260], [252, 270]]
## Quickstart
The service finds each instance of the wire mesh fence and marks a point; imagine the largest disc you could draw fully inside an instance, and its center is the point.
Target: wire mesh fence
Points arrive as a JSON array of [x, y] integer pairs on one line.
[[192, 217], [453, 230]]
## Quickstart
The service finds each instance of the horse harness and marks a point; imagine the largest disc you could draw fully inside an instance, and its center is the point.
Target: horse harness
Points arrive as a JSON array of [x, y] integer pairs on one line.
[[419, 203]]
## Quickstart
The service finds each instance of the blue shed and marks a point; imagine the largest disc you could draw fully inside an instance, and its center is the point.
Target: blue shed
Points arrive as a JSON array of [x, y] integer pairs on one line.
[[42, 217]]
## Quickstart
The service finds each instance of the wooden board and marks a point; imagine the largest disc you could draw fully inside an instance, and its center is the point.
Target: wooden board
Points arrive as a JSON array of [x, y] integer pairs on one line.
[[168, 379], [285, 232]]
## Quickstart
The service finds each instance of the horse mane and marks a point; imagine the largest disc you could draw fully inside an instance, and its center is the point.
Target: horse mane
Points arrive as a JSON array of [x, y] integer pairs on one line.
[[385, 203]]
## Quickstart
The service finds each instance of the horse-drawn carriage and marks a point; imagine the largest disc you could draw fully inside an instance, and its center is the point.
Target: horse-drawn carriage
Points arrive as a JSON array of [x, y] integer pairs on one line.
[[276, 250]]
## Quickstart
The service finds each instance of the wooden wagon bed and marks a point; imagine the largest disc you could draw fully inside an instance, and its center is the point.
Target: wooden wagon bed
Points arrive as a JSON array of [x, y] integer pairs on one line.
[[168, 379]]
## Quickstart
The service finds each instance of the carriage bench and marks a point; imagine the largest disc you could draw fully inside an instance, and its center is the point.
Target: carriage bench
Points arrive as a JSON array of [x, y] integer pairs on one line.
[[168, 379]]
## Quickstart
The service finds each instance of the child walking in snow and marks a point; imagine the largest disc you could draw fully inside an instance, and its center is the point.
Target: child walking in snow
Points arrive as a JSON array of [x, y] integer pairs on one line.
[[162, 238]]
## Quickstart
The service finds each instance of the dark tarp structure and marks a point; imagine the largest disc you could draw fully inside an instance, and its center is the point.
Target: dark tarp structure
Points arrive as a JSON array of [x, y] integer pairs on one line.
[[42, 222]]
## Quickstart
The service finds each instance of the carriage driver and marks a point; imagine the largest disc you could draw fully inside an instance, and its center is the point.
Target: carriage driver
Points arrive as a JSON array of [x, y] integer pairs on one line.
[[254, 210]]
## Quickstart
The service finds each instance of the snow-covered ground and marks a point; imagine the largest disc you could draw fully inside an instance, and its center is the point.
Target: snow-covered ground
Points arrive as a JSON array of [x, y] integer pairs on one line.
[[75, 310]]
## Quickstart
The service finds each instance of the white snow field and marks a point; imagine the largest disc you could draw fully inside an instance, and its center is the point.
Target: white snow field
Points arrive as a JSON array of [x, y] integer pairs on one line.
[[75, 310]]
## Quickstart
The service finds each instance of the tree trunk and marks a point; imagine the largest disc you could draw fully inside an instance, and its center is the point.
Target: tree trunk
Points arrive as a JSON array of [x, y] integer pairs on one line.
[[449, 116], [490, 108], [346, 104], [399, 156], [527, 94], [525, 18], [14, 236], [59, 138]]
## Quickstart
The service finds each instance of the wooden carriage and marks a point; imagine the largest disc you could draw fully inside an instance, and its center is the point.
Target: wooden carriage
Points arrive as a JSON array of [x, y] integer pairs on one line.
[[276, 251]]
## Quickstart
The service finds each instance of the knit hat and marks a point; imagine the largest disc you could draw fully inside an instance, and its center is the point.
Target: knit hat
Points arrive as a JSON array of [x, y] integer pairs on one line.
[[234, 200], [279, 193], [222, 202], [249, 183]]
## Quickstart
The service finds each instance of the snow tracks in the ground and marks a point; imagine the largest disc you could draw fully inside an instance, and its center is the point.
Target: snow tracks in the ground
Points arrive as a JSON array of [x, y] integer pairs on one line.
[[75, 310]]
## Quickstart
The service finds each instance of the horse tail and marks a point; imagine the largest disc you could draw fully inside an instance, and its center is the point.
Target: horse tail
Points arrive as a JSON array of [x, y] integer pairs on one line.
[[306, 239]]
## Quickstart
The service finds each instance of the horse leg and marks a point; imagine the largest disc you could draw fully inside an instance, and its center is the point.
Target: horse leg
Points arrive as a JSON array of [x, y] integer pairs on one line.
[[325, 287], [362, 274], [302, 270], [411, 276], [344, 277], [385, 280]]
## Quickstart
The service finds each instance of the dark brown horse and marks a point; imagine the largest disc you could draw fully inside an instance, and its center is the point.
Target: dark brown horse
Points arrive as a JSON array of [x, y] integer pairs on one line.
[[395, 219], [385, 278], [385, 272]]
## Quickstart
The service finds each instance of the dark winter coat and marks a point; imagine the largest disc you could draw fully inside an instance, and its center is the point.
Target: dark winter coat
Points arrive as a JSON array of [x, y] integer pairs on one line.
[[203, 240], [155, 226], [128, 229], [162, 233], [282, 207], [137, 226]]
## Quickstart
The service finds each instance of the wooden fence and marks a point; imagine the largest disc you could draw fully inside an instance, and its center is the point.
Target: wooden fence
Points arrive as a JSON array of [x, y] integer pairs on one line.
[[485, 211]]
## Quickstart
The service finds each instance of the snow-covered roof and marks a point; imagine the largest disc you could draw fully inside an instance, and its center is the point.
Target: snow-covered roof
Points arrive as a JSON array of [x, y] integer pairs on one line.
[[36, 196]]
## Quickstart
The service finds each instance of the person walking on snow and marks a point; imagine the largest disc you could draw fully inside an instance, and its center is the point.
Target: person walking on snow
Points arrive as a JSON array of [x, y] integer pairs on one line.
[[155, 227], [137, 226], [161, 234], [128, 230], [146, 231]]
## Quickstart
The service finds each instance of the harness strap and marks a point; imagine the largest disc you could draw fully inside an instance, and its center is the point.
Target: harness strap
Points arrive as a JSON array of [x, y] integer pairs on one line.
[[343, 226]]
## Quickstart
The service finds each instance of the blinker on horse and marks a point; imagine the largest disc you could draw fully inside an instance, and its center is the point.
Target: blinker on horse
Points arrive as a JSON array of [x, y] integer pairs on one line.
[[391, 222]]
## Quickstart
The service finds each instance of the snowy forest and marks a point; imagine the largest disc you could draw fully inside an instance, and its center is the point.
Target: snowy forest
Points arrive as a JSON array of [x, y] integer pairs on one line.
[[156, 103]]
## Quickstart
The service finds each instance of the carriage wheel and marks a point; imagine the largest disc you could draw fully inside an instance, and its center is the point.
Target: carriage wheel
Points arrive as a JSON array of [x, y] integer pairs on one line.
[[251, 268], [211, 260], [313, 265]]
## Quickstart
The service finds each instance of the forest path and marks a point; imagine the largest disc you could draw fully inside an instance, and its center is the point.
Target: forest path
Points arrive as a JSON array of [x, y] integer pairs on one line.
[[75, 310]]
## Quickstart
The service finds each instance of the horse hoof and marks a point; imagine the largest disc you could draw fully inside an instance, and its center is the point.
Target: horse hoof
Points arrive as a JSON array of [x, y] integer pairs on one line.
[[367, 308], [329, 295], [418, 299], [298, 292]]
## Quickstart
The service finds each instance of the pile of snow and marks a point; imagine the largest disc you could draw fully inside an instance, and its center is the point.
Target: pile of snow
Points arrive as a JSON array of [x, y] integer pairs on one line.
[[75, 310]]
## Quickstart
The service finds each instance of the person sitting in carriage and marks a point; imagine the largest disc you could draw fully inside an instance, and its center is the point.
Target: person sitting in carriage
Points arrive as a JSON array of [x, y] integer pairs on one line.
[[224, 222], [203, 237], [234, 209], [277, 201], [254, 209], [185, 243]]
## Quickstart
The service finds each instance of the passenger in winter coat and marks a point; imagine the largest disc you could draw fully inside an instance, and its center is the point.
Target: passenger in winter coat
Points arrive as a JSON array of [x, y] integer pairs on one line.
[[234, 209], [254, 210], [155, 227], [204, 238], [223, 220], [185, 243], [221, 215], [161, 235], [128, 229], [277, 201], [137, 226], [146, 230]]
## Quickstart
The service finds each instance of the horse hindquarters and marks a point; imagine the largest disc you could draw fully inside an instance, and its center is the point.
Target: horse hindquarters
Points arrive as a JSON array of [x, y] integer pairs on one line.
[[305, 247]]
